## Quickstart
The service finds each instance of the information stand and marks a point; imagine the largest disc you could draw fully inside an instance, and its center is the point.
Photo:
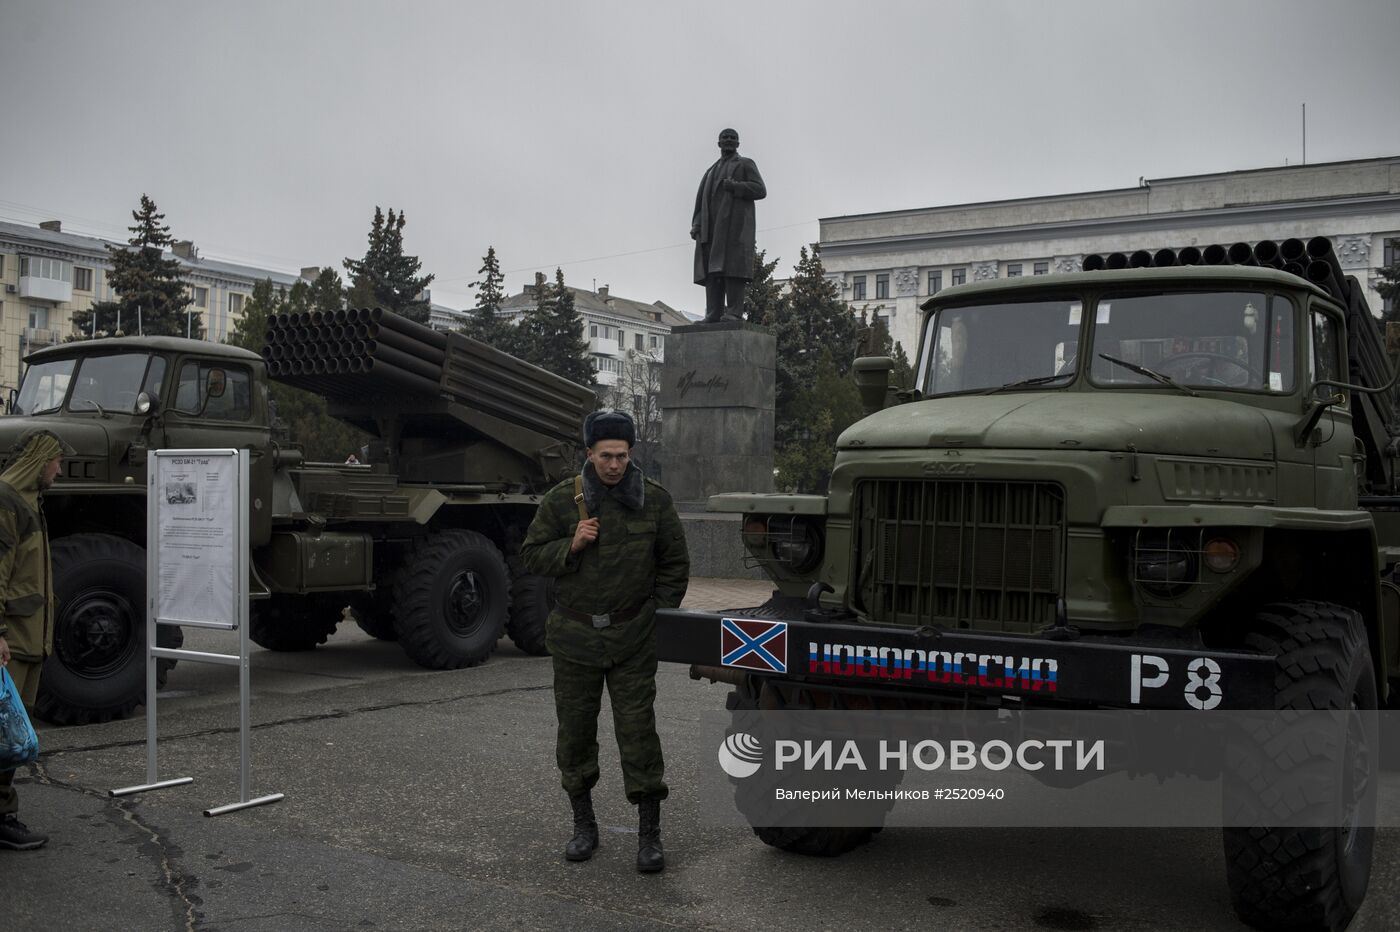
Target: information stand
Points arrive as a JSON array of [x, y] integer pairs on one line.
[[197, 576]]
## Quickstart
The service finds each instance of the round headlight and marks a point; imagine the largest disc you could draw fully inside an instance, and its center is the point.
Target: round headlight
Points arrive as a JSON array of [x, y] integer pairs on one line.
[[755, 532], [1165, 565], [795, 542], [1221, 554], [143, 403]]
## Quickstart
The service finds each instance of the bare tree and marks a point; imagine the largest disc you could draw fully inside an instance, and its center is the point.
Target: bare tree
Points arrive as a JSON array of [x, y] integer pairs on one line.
[[638, 392]]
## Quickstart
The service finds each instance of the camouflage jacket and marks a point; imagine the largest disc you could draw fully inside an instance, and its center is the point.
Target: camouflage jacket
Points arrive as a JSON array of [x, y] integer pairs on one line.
[[639, 559], [26, 583]]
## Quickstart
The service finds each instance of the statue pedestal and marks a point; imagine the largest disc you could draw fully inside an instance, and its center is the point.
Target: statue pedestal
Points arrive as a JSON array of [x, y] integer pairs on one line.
[[717, 411]]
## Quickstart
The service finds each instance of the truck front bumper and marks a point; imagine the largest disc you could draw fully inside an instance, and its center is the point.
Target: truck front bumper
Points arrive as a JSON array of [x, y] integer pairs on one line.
[[1078, 670]]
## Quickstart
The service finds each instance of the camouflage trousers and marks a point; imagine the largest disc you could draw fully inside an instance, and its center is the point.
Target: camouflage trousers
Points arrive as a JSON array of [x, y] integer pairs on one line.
[[578, 697], [25, 673]]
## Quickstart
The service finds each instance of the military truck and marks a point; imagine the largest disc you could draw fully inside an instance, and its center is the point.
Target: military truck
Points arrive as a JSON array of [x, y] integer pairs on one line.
[[1166, 482], [420, 542]]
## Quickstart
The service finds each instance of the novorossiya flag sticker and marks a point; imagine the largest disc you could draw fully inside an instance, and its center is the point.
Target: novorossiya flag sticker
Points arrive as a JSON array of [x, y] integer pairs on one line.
[[753, 645]]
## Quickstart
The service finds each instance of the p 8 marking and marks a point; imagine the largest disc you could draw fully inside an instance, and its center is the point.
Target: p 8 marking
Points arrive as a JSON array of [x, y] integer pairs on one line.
[[1202, 680]]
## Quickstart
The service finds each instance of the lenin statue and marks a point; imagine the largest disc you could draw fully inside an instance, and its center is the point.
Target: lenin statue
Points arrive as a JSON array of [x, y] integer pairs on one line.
[[723, 229]]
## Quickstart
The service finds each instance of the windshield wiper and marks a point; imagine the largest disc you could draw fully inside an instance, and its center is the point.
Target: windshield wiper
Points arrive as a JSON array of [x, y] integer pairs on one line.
[[1151, 374], [93, 402], [1026, 383]]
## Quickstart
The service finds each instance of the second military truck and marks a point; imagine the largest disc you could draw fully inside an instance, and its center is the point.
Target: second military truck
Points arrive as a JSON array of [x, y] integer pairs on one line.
[[1166, 482], [420, 542]]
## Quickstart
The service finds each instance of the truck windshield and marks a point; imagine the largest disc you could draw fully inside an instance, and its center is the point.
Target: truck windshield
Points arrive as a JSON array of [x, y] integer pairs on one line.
[[990, 346], [1235, 339], [106, 384], [44, 386]]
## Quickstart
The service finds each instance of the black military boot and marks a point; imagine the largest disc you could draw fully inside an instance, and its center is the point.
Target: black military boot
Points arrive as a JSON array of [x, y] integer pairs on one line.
[[17, 836], [650, 858], [585, 840]]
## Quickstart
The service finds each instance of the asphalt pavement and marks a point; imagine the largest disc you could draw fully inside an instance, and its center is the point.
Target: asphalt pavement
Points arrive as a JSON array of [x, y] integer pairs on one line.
[[425, 800]]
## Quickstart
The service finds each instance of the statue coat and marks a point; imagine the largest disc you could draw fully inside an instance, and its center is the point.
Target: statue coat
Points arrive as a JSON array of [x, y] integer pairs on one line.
[[724, 220]]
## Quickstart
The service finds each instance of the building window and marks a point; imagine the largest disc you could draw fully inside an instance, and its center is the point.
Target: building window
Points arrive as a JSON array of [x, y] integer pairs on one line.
[[621, 338], [607, 364], [2, 265], [201, 297], [1042, 268], [858, 288], [638, 341], [882, 285], [651, 341], [39, 267], [935, 282], [592, 330], [1013, 270], [82, 279], [38, 317], [959, 276], [235, 304]]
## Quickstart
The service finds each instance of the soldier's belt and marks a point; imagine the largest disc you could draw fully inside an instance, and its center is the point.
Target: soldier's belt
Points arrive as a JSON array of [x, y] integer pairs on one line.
[[599, 621]]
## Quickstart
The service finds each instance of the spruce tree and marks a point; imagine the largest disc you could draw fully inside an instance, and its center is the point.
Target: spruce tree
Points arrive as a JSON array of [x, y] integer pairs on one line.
[[326, 292], [551, 334], [875, 340], [386, 277], [485, 322], [810, 318], [265, 302], [762, 294], [147, 284]]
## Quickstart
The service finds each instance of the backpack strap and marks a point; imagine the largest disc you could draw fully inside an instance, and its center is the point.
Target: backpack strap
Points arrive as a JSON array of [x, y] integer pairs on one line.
[[578, 498]]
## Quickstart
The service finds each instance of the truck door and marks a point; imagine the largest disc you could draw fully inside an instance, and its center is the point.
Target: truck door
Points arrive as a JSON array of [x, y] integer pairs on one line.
[[213, 404], [1335, 463]]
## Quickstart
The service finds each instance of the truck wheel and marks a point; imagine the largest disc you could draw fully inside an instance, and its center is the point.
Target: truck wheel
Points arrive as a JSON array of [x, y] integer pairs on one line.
[[1306, 878], [98, 668], [817, 841], [453, 594], [291, 622], [531, 598], [374, 613]]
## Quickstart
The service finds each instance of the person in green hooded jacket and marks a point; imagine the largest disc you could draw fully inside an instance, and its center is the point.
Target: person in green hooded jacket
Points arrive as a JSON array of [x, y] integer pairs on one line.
[[26, 593], [613, 541]]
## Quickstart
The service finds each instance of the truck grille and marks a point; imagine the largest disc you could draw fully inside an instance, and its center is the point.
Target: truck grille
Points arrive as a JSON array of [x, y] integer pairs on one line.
[[959, 553]]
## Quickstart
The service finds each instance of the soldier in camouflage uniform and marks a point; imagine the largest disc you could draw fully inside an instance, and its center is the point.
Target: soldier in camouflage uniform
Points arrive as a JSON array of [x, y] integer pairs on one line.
[[26, 593], [613, 542]]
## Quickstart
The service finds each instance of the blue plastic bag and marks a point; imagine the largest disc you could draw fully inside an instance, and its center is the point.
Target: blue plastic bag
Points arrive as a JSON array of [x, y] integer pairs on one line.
[[18, 742]]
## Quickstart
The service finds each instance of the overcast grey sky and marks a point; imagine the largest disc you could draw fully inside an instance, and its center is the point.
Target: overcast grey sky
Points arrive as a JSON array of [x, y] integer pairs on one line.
[[575, 133]]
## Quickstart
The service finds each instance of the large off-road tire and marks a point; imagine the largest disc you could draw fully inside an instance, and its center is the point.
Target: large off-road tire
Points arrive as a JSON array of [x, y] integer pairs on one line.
[[293, 622], [452, 597], [98, 668], [531, 598], [1304, 877], [818, 841], [374, 613]]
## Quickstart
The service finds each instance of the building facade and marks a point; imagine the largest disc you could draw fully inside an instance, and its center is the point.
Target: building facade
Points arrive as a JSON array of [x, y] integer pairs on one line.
[[620, 333], [888, 263], [47, 275]]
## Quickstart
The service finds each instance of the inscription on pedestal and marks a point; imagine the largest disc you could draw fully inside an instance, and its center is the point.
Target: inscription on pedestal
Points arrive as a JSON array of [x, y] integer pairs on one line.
[[717, 410]]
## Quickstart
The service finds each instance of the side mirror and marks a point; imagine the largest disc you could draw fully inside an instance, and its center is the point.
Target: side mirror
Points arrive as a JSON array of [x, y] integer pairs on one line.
[[11, 399], [872, 375]]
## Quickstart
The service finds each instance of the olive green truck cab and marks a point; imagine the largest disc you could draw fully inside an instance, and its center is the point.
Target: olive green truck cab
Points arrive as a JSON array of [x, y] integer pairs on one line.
[[1154, 484], [419, 541]]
